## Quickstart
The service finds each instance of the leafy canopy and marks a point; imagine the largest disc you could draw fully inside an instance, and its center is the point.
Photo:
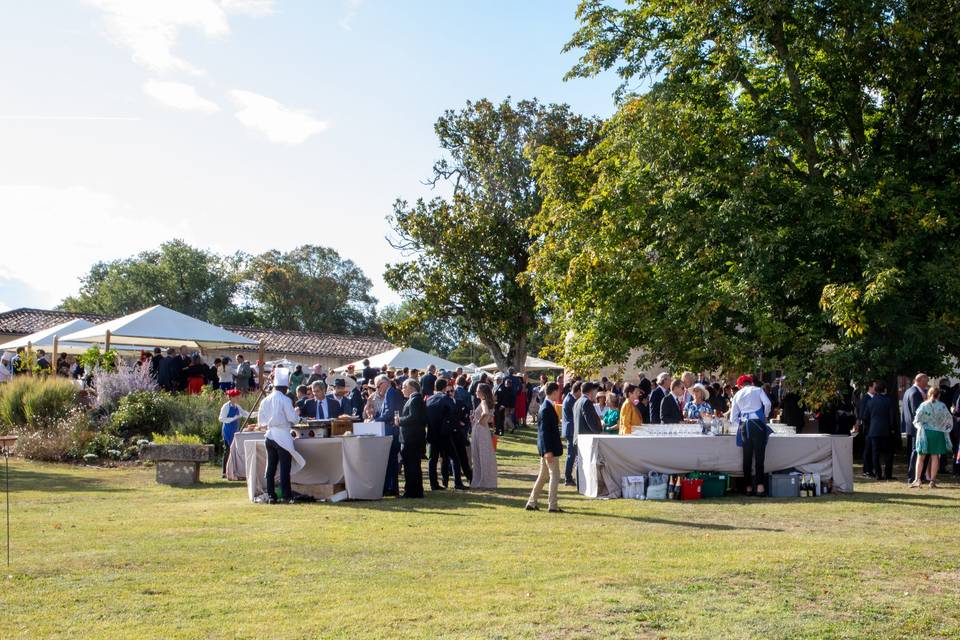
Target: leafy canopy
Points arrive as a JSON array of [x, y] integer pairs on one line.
[[784, 193]]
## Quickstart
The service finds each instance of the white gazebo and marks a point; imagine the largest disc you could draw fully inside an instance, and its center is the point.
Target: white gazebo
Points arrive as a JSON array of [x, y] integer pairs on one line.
[[159, 326], [530, 364], [50, 339], [399, 358]]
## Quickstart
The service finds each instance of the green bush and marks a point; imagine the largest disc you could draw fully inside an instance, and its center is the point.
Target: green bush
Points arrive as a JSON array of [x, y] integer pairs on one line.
[[197, 415], [142, 413], [11, 401], [48, 401], [35, 401], [176, 438], [105, 445]]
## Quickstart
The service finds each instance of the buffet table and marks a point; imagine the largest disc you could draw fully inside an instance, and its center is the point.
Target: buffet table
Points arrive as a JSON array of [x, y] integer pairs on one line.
[[360, 462], [615, 456]]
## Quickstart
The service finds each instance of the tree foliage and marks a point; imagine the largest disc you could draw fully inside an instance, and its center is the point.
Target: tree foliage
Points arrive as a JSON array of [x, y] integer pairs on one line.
[[310, 288], [784, 194], [467, 250], [403, 326], [190, 280]]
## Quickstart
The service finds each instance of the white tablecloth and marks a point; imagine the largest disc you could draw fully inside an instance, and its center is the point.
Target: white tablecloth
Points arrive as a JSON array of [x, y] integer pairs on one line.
[[617, 456], [359, 462]]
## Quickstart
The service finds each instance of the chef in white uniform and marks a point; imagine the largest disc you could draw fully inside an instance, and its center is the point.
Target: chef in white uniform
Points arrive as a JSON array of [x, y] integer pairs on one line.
[[277, 416]]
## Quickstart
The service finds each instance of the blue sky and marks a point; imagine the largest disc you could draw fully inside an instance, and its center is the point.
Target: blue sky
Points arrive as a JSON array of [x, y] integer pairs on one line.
[[243, 125]]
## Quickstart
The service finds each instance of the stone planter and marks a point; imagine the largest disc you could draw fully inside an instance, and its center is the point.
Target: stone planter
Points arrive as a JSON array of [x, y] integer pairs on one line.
[[177, 464]]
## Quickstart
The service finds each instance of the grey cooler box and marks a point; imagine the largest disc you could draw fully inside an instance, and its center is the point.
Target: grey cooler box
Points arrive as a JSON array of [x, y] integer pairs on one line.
[[784, 485]]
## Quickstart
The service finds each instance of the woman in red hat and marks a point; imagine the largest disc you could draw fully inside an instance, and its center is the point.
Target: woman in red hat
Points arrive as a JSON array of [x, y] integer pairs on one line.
[[230, 414]]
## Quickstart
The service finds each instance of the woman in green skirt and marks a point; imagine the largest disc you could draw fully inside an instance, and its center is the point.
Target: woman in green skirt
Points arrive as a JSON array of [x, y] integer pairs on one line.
[[933, 422]]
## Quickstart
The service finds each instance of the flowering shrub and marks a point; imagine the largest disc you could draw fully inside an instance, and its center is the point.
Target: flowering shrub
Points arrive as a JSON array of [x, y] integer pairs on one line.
[[141, 413], [56, 441], [111, 386]]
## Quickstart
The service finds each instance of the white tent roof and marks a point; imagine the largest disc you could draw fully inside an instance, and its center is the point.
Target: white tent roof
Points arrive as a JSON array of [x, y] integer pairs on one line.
[[531, 364], [161, 327], [399, 358], [43, 339]]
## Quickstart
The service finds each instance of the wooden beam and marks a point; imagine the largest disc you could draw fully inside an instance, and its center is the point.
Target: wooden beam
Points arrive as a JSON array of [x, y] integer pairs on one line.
[[106, 346], [261, 362], [53, 361]]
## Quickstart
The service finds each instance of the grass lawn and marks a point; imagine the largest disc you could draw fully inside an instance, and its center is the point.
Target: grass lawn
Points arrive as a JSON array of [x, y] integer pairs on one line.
[[108, 553]]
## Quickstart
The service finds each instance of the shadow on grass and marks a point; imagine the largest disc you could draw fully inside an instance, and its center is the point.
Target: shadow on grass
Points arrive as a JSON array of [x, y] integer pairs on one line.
[[32, 480]]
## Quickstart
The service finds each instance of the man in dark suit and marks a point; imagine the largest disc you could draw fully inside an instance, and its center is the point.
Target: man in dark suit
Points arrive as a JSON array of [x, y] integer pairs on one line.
[[155, 362], [568, 402], [413, 424], [863, 425], [321, 407], [879, 420], [441, 417], [369, 373], [656, 397], [461, 427], [671, 407], [585, 418], [167, 373], [912, 398], [428, 381], [341, 397], [550, 448]]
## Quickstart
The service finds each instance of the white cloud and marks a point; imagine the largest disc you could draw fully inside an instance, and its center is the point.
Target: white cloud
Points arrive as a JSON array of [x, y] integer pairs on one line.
[[256, 8], [151, 28], [278, 123], [69, 228], [179, 95], [350, 10]]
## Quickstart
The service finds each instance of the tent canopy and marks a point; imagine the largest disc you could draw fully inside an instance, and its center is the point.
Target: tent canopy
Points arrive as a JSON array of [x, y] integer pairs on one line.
[[43, 339], [399, 358], [162, 327], [531, 364]]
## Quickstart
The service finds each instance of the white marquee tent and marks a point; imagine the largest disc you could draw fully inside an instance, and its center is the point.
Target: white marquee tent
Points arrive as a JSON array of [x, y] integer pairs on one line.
[[399, 358], [159, 326], [531, 364], [43, 339]]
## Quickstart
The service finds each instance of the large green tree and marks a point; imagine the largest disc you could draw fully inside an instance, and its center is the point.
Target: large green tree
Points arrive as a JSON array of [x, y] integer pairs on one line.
[[784, 193], [467, 250], [404, 326], [190, 280], [310, 288]]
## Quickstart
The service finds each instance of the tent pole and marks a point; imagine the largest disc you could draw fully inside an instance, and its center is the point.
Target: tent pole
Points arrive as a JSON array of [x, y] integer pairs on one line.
[[29, 358], [53, 362], [261, 361], [106, 346]]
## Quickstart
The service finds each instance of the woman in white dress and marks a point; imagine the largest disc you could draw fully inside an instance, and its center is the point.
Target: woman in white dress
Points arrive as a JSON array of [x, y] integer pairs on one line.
[[482, 455]]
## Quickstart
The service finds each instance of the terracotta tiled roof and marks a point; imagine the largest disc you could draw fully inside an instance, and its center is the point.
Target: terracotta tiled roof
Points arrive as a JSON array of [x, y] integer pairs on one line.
[[22, 322], [25, 321], [319, 344]]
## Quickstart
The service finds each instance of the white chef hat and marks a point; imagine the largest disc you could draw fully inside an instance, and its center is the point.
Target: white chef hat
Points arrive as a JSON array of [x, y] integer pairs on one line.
[[281, 377]]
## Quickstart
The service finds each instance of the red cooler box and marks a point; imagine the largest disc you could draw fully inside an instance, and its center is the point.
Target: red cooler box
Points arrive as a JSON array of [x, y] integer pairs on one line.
[[691, 488]]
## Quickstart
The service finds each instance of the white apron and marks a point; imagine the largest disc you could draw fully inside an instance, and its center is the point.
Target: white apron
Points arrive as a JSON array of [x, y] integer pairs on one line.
[[283, 438]]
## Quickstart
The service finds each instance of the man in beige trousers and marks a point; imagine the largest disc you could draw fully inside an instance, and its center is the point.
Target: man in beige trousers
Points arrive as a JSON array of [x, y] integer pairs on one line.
[[550, 447]]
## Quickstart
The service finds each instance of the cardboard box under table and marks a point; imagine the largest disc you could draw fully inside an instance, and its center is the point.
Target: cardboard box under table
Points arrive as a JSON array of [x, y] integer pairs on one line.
[[616, 456], [358, 462]]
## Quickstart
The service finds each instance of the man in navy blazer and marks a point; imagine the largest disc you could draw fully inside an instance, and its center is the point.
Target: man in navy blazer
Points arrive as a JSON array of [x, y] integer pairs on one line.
[[550, 448], [879, 419], [671, 411], [656, 397], [393, 402], [320, 407], [912, 398], [568, 402]]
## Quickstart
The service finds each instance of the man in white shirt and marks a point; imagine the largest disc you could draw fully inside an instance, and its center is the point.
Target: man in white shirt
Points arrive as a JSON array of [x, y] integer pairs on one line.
[[749, 412], [277, 415]]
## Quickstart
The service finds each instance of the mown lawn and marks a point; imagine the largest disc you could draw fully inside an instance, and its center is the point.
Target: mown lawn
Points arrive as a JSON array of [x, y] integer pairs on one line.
[[107, 553]]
